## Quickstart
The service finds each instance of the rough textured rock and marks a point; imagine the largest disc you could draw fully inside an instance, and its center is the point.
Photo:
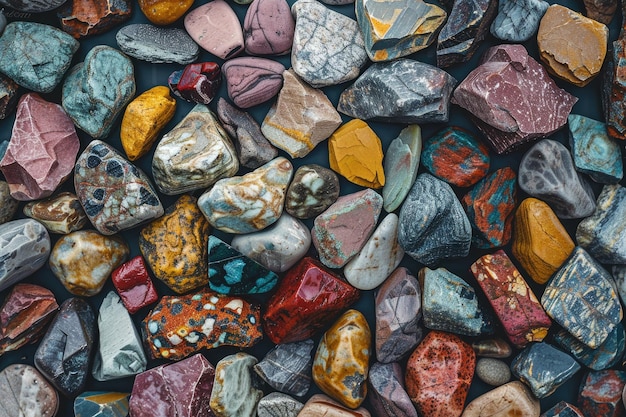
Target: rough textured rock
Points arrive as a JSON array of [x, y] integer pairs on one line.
[[234, 392], [82, 18], [518, 20], [613, 89], [513, 398], [276, 404], [607, 355], [493, 371], [386, 391], [268, 27], [287, 367], [313, 189], [196, 83], [400, 166], [251, 81], [23, 388], [134, 285], [601, 10], [164, 12], [61, 213], [101, 404], [563, 409], [156, 44], [216, 28], [600, 393], [8, 93]]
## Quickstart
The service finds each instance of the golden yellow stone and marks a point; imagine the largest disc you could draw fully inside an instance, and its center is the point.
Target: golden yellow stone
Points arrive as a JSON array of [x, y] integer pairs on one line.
[[355, 152], [164, 12], [540, 242], [144, 117], [342, 359]]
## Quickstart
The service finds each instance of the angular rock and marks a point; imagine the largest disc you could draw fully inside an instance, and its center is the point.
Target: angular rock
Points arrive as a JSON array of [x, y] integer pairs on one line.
[[248, 203], [386, 391], [8, 94], [253, 149], [34, 6], [101, 404], [179, 326], [8, 205], [134, 285], [513, 301], [157, 45], [492, 348], [381, 93], [25, 313], [433, 226], [601, 10], [518, 20], [42, 150], [582, 298], [96, 90], [61, 213], [602, 233], [400, 166], [513, 398], [600, 393], [540, 242], [307, 299], [607, 355], [251, 81], [196, 83], [36, 56], [341, 231], [456, 156], [216, 28], [24, 248], [164, 12], [322, 405], [287, 367], [277, 248], [439, 373], [313, 189], [180, 389], [234, 392], [572, 46], [82, 18], [487, 91], [83, 260], [268, 27], [301, 118], [64, 354], [493, 372], [563, 409], [23, 388], [278, 405]]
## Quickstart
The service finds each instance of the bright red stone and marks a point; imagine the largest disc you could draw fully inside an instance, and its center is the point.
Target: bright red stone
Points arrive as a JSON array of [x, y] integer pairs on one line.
[[197, 83], [600, 394], [307, 299], [439, 373], [132, 282]]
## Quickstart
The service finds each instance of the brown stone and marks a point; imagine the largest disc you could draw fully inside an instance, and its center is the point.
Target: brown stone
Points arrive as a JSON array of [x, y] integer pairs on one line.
[[540, 242], [91, 17], [321, 405], [512, 399], [572, 46], [601, 10], [59, 214]]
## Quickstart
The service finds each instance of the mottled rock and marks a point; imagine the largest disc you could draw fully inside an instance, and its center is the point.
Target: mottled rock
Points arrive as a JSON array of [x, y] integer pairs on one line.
[[251, 81], [157, 45], [25, 390], [9, 205], [61, 213], [34, 6], [101, 404], [82, 18], [164, 12], [287, 367], [301, 118], [433, 226], [493, 371], [134, 285], [601, 10], [619, 275], [492, 348], [322, 405], [512, 399], [381, 93], [216, 28], [8, 94], [268, 27], [613, 89], [196, 83], [400, 166], [607, 355], [563, 409], [278, 405], [234, 392], [313, 189], [518, 20], [96, 90], [386, 391], [36, 56], [600, 393]]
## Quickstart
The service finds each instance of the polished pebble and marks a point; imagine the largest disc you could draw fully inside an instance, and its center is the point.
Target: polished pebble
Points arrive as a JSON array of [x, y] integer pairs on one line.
[[268, 27], [196, 83], [216, 28], [277, 404], [251, 81], [563, 409], [512, 399], [156, 44], [101, 404], [234, 393], [492, 348], [493, 371], [287, 367], [313, 189], [386, 391], [400, 166], [23, 388], [134, 285], [164, 12], [61, 213], [607, 355], [322, 405]]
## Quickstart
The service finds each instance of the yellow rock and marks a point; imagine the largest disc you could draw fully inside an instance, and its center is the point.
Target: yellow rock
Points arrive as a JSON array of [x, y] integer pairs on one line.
[[144, 117], [164, 12], [355, 152]]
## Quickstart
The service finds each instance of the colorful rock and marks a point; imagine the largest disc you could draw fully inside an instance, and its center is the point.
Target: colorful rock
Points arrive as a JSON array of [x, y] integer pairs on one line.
[[607, 355], [164, 12], [8, 94], [341, 362], [179, 326], [306, 300], [509, 399], [251, 81], [386, 391], [157, 45], [268, 27], [518, 20], [563, 409], [24, 388], [439, 373], [613, 89], [400, 166], [600, 393], [509, 295], [133, 284], [88, 17], [216, 28], [287, 367], [492, 348], [313, 189], [277, 404], [61, 213], [493, 371], [322, 405], [196, 83], [8, 205], [234, 392], [101, 404]]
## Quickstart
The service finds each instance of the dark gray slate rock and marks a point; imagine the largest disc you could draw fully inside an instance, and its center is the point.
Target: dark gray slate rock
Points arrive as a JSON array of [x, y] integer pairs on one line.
[[287, 367], [382, 93], [34, 6], [606, 356], [518, 20], [277, 404], [433, 226], [157, 44], [36, 56], [386, 391]]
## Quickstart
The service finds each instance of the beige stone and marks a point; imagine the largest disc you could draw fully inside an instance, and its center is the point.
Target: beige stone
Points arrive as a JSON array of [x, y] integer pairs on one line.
[[512, 399]]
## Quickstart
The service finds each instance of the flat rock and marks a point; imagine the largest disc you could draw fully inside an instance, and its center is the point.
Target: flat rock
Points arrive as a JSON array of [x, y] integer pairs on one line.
[[196, 83], [322, 405], [381, 93], [216, 28], [486, 94], [234, 392], [23, 388], [386, 391], [600, 393], [82, 18], [513, 398], [9, 205], [157, 45], [101, 404], [518, 20], [61, 213], [164, 12], [277, 404], [251, 80], [96, 90], [493, 372], [607, 355], [287, 367], [8, 94], [34, 6], [134, 285], [42, 150], [268, 27], [400, 166], [441, 230], [313, 189]]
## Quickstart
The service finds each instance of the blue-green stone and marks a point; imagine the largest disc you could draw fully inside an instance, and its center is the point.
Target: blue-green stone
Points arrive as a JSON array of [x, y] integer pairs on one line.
[[604, 357], [402, 160], [101, 404]]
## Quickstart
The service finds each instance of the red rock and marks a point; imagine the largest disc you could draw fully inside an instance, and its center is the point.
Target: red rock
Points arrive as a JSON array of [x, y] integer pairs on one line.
[[91, 17], [42, 151], [134, 285], [600, 394], [439, 373], [197, 83], [308, 298]]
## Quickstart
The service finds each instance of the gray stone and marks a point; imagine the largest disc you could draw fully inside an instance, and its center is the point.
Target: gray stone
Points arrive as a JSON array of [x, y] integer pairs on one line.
[[36, 56], [328, 47], [157, 45], [386, 391], [518, 20], [8, 205], [493, 371], [287, 367], [382, 93], [400, 166], [120, 353], [25, 392], [313, 189], [34, 6], [277, 404], [24, 248], [234, 392]]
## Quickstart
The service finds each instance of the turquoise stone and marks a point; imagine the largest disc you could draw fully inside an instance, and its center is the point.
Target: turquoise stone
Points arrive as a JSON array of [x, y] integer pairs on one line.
[[101, 404], [400, 166], [594, 152], [604, 357], [230, 272], [36, 56]]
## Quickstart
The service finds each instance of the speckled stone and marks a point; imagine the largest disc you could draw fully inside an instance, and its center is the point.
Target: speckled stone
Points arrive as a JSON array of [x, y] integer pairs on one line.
[[313, 189], [234, 392], [8, 205], [433, 226], [287, 367], [24, 248], [322, 405], [493, 371], [216, 28], [61, 213], [277, 404], [600, 393], [268, 27], [3, 22], [400, 166], [512, 399], [157, 45], [23, 388], [82, 18], [607, 355], [8, 93], [251, 81], [518, 20], [101, 404], [563, 409], [386, 391], [85, 97], [115, 194], [26, 55], [83, 260], [193, 155], [492, 348]]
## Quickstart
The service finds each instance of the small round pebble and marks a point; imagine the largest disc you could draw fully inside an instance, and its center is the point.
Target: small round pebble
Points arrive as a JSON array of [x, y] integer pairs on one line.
[[493, 371]]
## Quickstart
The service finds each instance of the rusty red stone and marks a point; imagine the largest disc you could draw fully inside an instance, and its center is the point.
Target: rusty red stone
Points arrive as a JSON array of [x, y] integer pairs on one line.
[[197, 83], [600, 394]]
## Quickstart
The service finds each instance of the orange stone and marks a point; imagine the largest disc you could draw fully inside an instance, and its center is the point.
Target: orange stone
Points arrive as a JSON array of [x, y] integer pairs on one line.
[[164, 12], [572, 46], [540, 242], [355, 152]]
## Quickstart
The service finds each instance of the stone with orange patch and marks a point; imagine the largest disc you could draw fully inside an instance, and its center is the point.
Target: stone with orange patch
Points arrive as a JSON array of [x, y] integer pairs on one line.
[[164, 12]]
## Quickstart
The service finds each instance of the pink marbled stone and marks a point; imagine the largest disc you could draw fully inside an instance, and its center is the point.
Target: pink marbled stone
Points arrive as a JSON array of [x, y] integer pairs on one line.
[[215, 27], [251, 81], [268, 27]]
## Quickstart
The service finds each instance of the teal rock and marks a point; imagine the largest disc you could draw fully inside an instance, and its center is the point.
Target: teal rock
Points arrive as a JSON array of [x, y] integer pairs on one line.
[[230, 272], [607, 355], [101, 404], [36, 56], [451, 305], [234, 393], [518, 20], [602, 234], [98, 89], [594, 152], [400, 166]]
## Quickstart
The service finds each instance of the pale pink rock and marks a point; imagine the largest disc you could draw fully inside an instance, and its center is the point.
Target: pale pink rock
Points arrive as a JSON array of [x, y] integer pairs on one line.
[[42, 150], [251, 81], [268, 27], [215, 27]]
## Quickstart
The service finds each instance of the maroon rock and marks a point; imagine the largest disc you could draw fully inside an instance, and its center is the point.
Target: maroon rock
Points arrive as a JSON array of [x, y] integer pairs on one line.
[[600, 394], [268, 27], [512, 98], [134, 285], [42, 151], [91, 17], [197, 83], [251, 81], [24, 315], [181, 389], [8, 95]]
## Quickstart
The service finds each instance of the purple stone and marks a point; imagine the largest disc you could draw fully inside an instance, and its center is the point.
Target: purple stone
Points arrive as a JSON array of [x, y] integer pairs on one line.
[[251, 81], [387, 395], [268, 27]]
